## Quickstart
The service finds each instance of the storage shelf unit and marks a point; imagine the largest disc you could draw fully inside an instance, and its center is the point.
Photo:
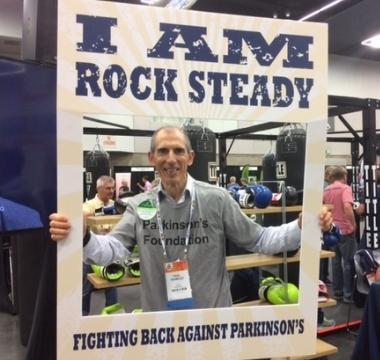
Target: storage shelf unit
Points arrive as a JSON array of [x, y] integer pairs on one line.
[[235, 262]]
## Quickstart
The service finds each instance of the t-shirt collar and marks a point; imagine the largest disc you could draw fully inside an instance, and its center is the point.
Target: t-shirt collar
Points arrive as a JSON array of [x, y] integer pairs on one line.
[[189, 190]]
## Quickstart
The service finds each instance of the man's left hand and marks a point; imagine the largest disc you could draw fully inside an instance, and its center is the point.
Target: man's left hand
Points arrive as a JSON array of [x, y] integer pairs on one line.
[[325, 219]]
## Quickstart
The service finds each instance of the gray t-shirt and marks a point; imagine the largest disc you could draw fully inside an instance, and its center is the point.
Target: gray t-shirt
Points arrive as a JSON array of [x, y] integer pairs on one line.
[[216, 217]]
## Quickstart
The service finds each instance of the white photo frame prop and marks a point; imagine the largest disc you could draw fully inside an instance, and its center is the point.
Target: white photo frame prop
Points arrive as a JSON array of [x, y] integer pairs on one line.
[[114, 58]]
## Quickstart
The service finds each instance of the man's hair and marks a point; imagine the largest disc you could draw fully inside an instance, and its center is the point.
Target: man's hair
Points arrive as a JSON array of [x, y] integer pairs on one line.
[[338, 173], [170, 127], [103, 180], [328, 171]]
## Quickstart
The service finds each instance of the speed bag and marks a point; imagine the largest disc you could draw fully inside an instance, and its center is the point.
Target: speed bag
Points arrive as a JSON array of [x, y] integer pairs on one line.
[[96, 163], [203, 142], [290, 153]]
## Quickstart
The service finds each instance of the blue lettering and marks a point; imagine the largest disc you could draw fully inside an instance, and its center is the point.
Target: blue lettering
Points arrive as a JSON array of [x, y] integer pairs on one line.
[[199, 96], [265, 54], [165, 78], [282, 99], [260, 90], [96, 34], [135, 85], [193, 41], [87, 73], [303, 90], [236, 81], [114, 72], [217, 80]]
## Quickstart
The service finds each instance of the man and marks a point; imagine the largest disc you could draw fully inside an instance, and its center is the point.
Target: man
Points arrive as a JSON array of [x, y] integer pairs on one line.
[[339, 195], [105, 187], [183, 223], [232, 183]]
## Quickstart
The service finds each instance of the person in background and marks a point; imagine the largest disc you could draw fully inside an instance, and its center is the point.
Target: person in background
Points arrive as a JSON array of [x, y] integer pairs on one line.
[[244, 182], [232, 182], [339, 195], [105, 188], [187, 221], [324, 268], [124, 188], [146, 184], [322, 321]]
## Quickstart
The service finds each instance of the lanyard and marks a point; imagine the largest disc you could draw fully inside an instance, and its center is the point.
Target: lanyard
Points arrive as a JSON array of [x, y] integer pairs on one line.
[[161, 229]]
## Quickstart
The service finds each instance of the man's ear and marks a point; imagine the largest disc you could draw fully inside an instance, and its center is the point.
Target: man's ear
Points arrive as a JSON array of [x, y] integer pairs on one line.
[[191, 158], [151, 158]]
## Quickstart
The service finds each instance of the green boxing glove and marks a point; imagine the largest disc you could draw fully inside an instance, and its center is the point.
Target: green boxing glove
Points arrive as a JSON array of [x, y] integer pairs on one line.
[[132, 263], [111, 272], [113, 309], [275, 291]]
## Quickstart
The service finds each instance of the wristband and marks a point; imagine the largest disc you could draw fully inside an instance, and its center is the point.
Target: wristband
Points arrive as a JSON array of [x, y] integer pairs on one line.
[[86, 237]]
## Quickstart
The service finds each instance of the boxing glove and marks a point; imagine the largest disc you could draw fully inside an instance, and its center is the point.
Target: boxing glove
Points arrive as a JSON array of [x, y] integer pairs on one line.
[[262, 196], [331, 238], [132, 263], [275, 291], [111, 272]]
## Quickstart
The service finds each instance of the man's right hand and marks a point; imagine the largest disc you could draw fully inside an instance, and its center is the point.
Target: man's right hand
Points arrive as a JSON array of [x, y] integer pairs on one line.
[[59, 226]]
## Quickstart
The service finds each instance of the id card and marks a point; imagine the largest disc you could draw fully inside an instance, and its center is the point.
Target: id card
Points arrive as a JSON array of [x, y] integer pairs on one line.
[[178, 286]]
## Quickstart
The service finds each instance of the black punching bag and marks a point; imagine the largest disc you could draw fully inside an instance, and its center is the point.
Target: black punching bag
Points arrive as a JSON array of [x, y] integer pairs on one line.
[[97, 163], [269, 171], [203, 142], [290, 153]]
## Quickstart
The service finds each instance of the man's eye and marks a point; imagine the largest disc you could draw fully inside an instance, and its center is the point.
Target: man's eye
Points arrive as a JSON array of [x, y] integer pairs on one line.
[[179, 151], [162, 151]]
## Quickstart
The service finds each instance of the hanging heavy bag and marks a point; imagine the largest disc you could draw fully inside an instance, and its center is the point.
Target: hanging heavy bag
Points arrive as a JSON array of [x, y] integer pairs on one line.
[[290, 156], [203, 142], [97, 163]]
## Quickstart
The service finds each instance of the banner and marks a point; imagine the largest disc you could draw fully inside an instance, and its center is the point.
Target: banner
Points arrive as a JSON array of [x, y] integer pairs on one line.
[[131, 60]]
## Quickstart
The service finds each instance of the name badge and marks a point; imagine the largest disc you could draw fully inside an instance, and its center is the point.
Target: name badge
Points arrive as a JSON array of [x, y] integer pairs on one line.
[[178, 286]]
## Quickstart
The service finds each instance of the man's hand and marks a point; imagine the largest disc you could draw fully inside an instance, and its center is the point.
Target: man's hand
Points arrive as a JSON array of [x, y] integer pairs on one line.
[[325, 219], [59, 226]]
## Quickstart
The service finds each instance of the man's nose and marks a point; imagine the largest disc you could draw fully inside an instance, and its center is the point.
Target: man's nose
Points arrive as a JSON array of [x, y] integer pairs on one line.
[[171, 156]]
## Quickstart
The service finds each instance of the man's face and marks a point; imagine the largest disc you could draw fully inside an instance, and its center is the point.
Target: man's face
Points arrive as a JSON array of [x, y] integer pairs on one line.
[[105, 191], [171, 157]]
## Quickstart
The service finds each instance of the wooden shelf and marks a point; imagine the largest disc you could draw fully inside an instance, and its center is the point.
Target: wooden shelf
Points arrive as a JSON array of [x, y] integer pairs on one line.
[[102, 220], [328, 303], [323, 349], [100, 283], [272, 210], [235, 262], [247, 261], [102, 224]]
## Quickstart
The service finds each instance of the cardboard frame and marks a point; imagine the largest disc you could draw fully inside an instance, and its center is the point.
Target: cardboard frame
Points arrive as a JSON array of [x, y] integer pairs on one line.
[[128, 32]]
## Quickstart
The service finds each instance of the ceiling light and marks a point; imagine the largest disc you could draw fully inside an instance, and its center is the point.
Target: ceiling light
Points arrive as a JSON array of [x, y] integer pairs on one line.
[[178, 4], [149, 2], [323, 8], [373, 41]]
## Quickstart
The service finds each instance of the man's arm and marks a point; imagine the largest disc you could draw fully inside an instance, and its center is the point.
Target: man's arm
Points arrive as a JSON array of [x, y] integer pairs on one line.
[[270, 240], [349, 213]]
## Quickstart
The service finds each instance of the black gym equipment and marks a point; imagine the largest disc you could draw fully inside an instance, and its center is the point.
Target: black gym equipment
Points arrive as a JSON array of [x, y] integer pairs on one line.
[[290, 156], [97, 163], [203, 142]]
